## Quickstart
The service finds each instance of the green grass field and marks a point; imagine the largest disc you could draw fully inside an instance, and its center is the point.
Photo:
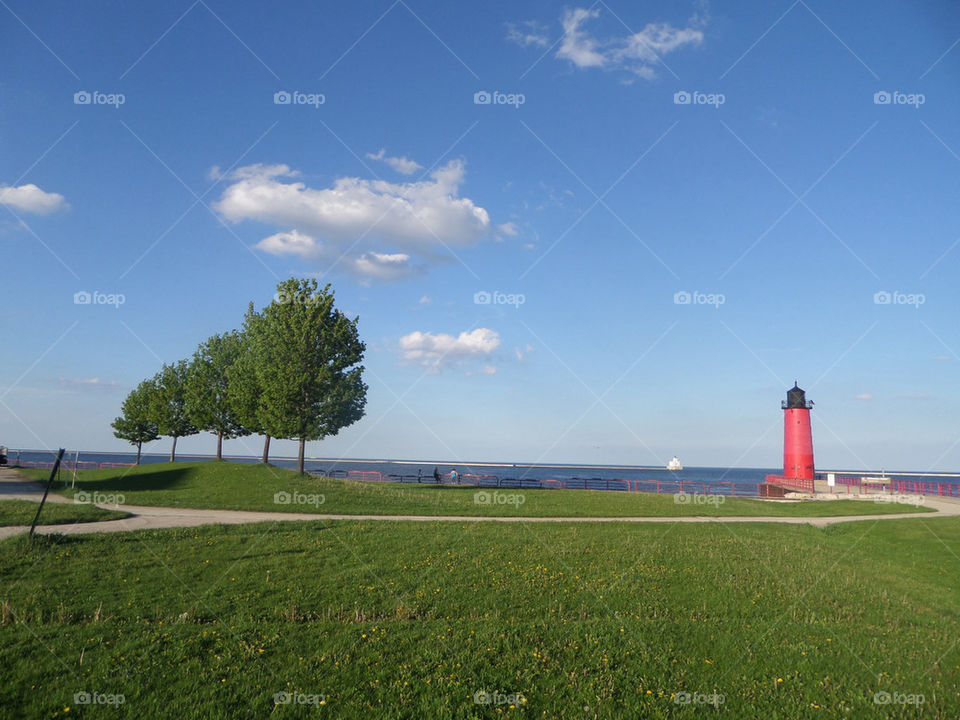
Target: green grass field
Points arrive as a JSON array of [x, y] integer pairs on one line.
[[238, 486], [22, 512], [401, 620]]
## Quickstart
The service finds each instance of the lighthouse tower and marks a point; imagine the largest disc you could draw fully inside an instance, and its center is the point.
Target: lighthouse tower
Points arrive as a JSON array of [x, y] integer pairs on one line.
[[797, 437]]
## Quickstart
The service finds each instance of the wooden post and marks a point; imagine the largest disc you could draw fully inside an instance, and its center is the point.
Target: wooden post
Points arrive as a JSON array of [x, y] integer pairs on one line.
[[53, 474]]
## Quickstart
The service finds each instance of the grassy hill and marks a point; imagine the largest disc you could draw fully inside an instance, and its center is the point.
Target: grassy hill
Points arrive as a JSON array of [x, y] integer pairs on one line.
[[239, 486]]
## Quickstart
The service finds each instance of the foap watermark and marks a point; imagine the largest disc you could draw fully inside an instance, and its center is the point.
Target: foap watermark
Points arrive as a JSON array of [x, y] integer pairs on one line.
[[98, 498], [685, 97], [898, 698], [899, 298], [98, 698], [498, 498], [84, 97], [483, 97], [915, 500], [483, 297], [298, 698], [297, 298], [485, 697], [698, 698], [295, 97], [82, 297], [683, 498], [699, 298], [298, 498], [885, 97]]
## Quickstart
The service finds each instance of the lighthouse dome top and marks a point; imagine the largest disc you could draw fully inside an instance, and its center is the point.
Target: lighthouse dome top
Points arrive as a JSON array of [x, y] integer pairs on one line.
[[796, 398]]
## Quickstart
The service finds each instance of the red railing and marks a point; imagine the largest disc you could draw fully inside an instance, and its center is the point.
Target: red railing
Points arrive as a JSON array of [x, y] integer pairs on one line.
[[896, 486], [923, 487], [368, 476], [804, 484]]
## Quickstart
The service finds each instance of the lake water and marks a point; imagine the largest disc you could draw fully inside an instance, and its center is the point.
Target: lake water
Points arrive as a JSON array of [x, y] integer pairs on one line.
[[752, 476]]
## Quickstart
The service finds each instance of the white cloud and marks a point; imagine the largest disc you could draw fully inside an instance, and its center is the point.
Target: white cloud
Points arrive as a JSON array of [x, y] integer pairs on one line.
[[577, 46], [425, 300], [366, 266], [521, 353], [402, 165], [488, 370], [438, 351], [379, 225], [533, 34], [639, 53], [29, 198], [864, 396], [291, 243], [382, 266], [656, 40], [507, 228]]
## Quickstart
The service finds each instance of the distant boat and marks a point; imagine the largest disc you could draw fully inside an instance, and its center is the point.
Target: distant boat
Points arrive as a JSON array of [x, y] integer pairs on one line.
[[674, 464]]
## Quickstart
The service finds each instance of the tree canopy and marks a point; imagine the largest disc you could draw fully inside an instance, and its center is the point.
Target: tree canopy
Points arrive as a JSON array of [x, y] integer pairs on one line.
[[135, 424], [292, 372], [208, 382], [308, 365], [169, 404]]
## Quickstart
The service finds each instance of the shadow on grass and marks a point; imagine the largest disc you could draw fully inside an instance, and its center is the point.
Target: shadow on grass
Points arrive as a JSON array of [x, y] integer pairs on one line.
[[166, 477]]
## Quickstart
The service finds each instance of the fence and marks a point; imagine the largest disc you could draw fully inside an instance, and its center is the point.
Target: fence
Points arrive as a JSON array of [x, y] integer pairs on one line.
[[897, 486], [804, 484], [70, 465], [671, 487]]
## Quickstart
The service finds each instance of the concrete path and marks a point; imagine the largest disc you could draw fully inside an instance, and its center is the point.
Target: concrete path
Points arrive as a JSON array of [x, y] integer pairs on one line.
[[13, 485]]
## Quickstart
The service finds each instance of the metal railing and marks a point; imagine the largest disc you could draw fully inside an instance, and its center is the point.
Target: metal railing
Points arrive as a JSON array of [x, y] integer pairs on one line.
[[803, 484], [69, 465], [671, 487]]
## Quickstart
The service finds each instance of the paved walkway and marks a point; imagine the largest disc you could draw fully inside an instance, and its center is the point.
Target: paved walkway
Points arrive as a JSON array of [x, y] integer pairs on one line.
[[13, 485]]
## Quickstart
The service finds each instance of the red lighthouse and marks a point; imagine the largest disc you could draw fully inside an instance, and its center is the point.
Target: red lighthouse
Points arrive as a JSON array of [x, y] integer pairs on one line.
[[797, 437]]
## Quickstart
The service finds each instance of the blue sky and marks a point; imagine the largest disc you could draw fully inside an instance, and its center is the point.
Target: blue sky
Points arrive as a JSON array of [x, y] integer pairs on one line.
[[675, 209]]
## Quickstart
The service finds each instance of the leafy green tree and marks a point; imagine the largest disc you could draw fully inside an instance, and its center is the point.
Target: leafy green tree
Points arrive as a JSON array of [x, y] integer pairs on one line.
[[307, 360], [209, 403], [135, 424], [169, 404], [243, 384]]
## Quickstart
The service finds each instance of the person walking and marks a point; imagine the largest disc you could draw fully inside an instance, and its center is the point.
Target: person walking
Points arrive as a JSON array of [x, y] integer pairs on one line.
[[454, 475]]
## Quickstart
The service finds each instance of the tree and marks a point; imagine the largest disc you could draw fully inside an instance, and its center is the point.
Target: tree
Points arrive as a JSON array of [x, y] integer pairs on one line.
[[208, 398], [134, 424], [169, 406], [243, 383], [307, 363]]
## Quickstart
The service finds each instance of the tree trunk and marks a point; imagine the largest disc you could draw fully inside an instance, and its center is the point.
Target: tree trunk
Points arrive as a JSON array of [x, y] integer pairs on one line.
[[173, 450], [139, 446], [266, 450], [303, 444], [219, 446]]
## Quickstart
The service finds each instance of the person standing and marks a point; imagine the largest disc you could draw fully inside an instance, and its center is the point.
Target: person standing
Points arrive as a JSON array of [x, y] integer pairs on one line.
[[419, 475], [436, 475], [454, 476]]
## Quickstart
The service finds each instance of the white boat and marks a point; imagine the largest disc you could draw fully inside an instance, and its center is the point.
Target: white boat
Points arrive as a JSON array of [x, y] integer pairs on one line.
[[674, 464]]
